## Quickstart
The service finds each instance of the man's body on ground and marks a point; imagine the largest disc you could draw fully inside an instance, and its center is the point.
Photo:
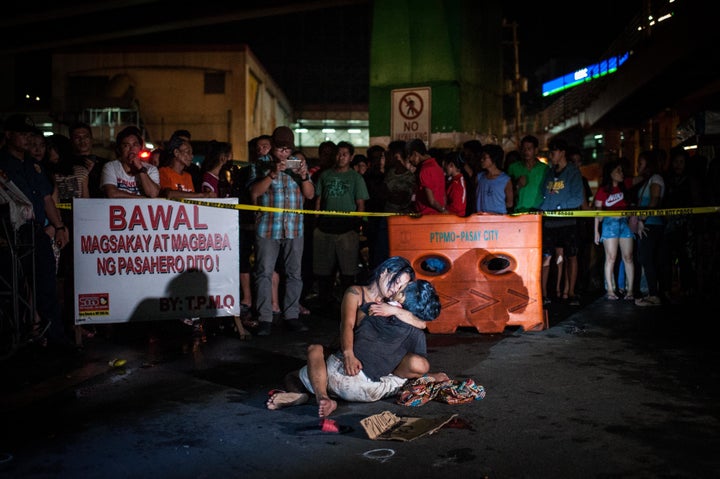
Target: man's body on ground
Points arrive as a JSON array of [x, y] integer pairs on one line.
[[389, 277], [387, 342]]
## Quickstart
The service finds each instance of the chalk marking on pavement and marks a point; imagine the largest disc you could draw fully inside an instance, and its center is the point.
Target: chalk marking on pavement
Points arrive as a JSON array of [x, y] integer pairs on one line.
[[380, 455]]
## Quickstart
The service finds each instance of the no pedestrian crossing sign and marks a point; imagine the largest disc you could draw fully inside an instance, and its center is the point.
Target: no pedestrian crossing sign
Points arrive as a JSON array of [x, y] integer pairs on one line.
[[410, 114]]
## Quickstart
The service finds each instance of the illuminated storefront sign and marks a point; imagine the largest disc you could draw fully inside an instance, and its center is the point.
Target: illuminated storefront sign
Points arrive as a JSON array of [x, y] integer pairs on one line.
[[584, 75]]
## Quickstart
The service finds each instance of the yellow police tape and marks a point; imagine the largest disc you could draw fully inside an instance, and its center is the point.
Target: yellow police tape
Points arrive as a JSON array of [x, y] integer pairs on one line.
[[575, 213], [643, 212]]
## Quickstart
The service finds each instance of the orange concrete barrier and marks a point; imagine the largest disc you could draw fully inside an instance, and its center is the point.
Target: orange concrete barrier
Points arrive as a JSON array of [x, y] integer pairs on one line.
[[485, 268]]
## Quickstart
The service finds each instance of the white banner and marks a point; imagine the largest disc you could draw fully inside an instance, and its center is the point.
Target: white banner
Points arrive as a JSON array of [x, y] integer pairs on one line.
[[150, 259]]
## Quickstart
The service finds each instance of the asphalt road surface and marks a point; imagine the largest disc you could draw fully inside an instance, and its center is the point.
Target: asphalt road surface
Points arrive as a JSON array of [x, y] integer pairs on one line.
[[609, 390]]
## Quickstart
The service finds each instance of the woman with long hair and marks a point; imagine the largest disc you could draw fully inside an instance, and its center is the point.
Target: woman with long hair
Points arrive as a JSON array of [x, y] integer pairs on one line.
[[218, 154], [613, 195]]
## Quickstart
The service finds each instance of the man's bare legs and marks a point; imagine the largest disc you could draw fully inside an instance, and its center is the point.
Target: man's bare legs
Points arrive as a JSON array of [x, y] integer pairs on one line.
[[414, 366], [317, 372]]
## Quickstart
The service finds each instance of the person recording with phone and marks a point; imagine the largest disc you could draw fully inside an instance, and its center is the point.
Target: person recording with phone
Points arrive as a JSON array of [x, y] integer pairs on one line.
[[280, 234]]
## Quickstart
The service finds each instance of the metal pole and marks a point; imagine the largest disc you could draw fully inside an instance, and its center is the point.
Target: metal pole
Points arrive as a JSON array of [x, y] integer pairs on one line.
[[516, 85]]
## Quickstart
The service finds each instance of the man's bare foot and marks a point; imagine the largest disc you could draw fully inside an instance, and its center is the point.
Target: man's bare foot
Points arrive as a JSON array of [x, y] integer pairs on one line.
[[281, 399], [326, 406]]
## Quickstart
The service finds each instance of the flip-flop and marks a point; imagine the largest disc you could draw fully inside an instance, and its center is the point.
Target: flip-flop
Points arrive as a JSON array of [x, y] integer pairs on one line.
[[329, 425], [326, 426]]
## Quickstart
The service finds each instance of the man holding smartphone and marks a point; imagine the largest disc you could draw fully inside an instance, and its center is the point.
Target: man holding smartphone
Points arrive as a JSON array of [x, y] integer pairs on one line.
[[280, 233]]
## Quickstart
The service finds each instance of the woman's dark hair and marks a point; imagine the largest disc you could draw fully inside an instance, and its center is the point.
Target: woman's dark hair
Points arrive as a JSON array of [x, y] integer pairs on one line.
[[396, 266], [496, 154], [374, 154], [63, 146], [607, 181], [215, 149], [456, 158], [422, 300], [652, 163]]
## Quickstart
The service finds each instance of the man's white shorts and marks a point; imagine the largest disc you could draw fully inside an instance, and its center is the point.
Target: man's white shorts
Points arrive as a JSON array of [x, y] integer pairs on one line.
[[357, 388]]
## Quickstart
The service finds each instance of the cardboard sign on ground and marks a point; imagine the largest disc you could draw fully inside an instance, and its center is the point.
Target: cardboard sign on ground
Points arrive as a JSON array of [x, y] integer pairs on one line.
[[388, 426]]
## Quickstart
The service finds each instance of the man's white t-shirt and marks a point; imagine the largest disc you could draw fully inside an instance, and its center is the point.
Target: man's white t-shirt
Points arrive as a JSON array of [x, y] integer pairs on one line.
[[114, 174]]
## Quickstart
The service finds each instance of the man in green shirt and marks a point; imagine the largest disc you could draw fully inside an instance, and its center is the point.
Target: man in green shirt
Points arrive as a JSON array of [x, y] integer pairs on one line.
[[527, 176]]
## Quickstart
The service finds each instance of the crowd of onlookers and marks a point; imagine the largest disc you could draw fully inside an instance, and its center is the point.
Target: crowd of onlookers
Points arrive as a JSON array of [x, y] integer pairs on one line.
[[291, 263]]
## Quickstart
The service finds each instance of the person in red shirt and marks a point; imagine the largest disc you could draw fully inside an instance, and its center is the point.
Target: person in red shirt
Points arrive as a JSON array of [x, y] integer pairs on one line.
[[456, 185], [612, 194], [430, 195]]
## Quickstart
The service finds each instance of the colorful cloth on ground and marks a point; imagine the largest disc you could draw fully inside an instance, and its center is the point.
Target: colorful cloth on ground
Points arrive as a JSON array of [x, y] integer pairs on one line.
[[453, 391]]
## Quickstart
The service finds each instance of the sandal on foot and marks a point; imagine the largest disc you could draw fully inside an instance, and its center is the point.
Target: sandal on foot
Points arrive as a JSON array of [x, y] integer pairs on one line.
[[611, 297], [629, 297]]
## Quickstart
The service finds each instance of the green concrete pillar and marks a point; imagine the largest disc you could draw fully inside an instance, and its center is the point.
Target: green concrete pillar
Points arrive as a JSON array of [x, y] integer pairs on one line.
[[453, 47]]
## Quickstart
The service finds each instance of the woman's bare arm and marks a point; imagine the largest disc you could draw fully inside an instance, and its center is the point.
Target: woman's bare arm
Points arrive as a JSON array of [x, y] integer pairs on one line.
[[385, 309]]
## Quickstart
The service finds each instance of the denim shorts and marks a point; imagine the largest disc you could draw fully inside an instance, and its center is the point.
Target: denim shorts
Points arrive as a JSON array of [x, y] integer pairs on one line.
[[615, 227]]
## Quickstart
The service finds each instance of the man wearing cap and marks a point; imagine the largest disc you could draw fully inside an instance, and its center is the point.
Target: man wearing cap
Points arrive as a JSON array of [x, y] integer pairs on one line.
[[276, 185], [47, 226]]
